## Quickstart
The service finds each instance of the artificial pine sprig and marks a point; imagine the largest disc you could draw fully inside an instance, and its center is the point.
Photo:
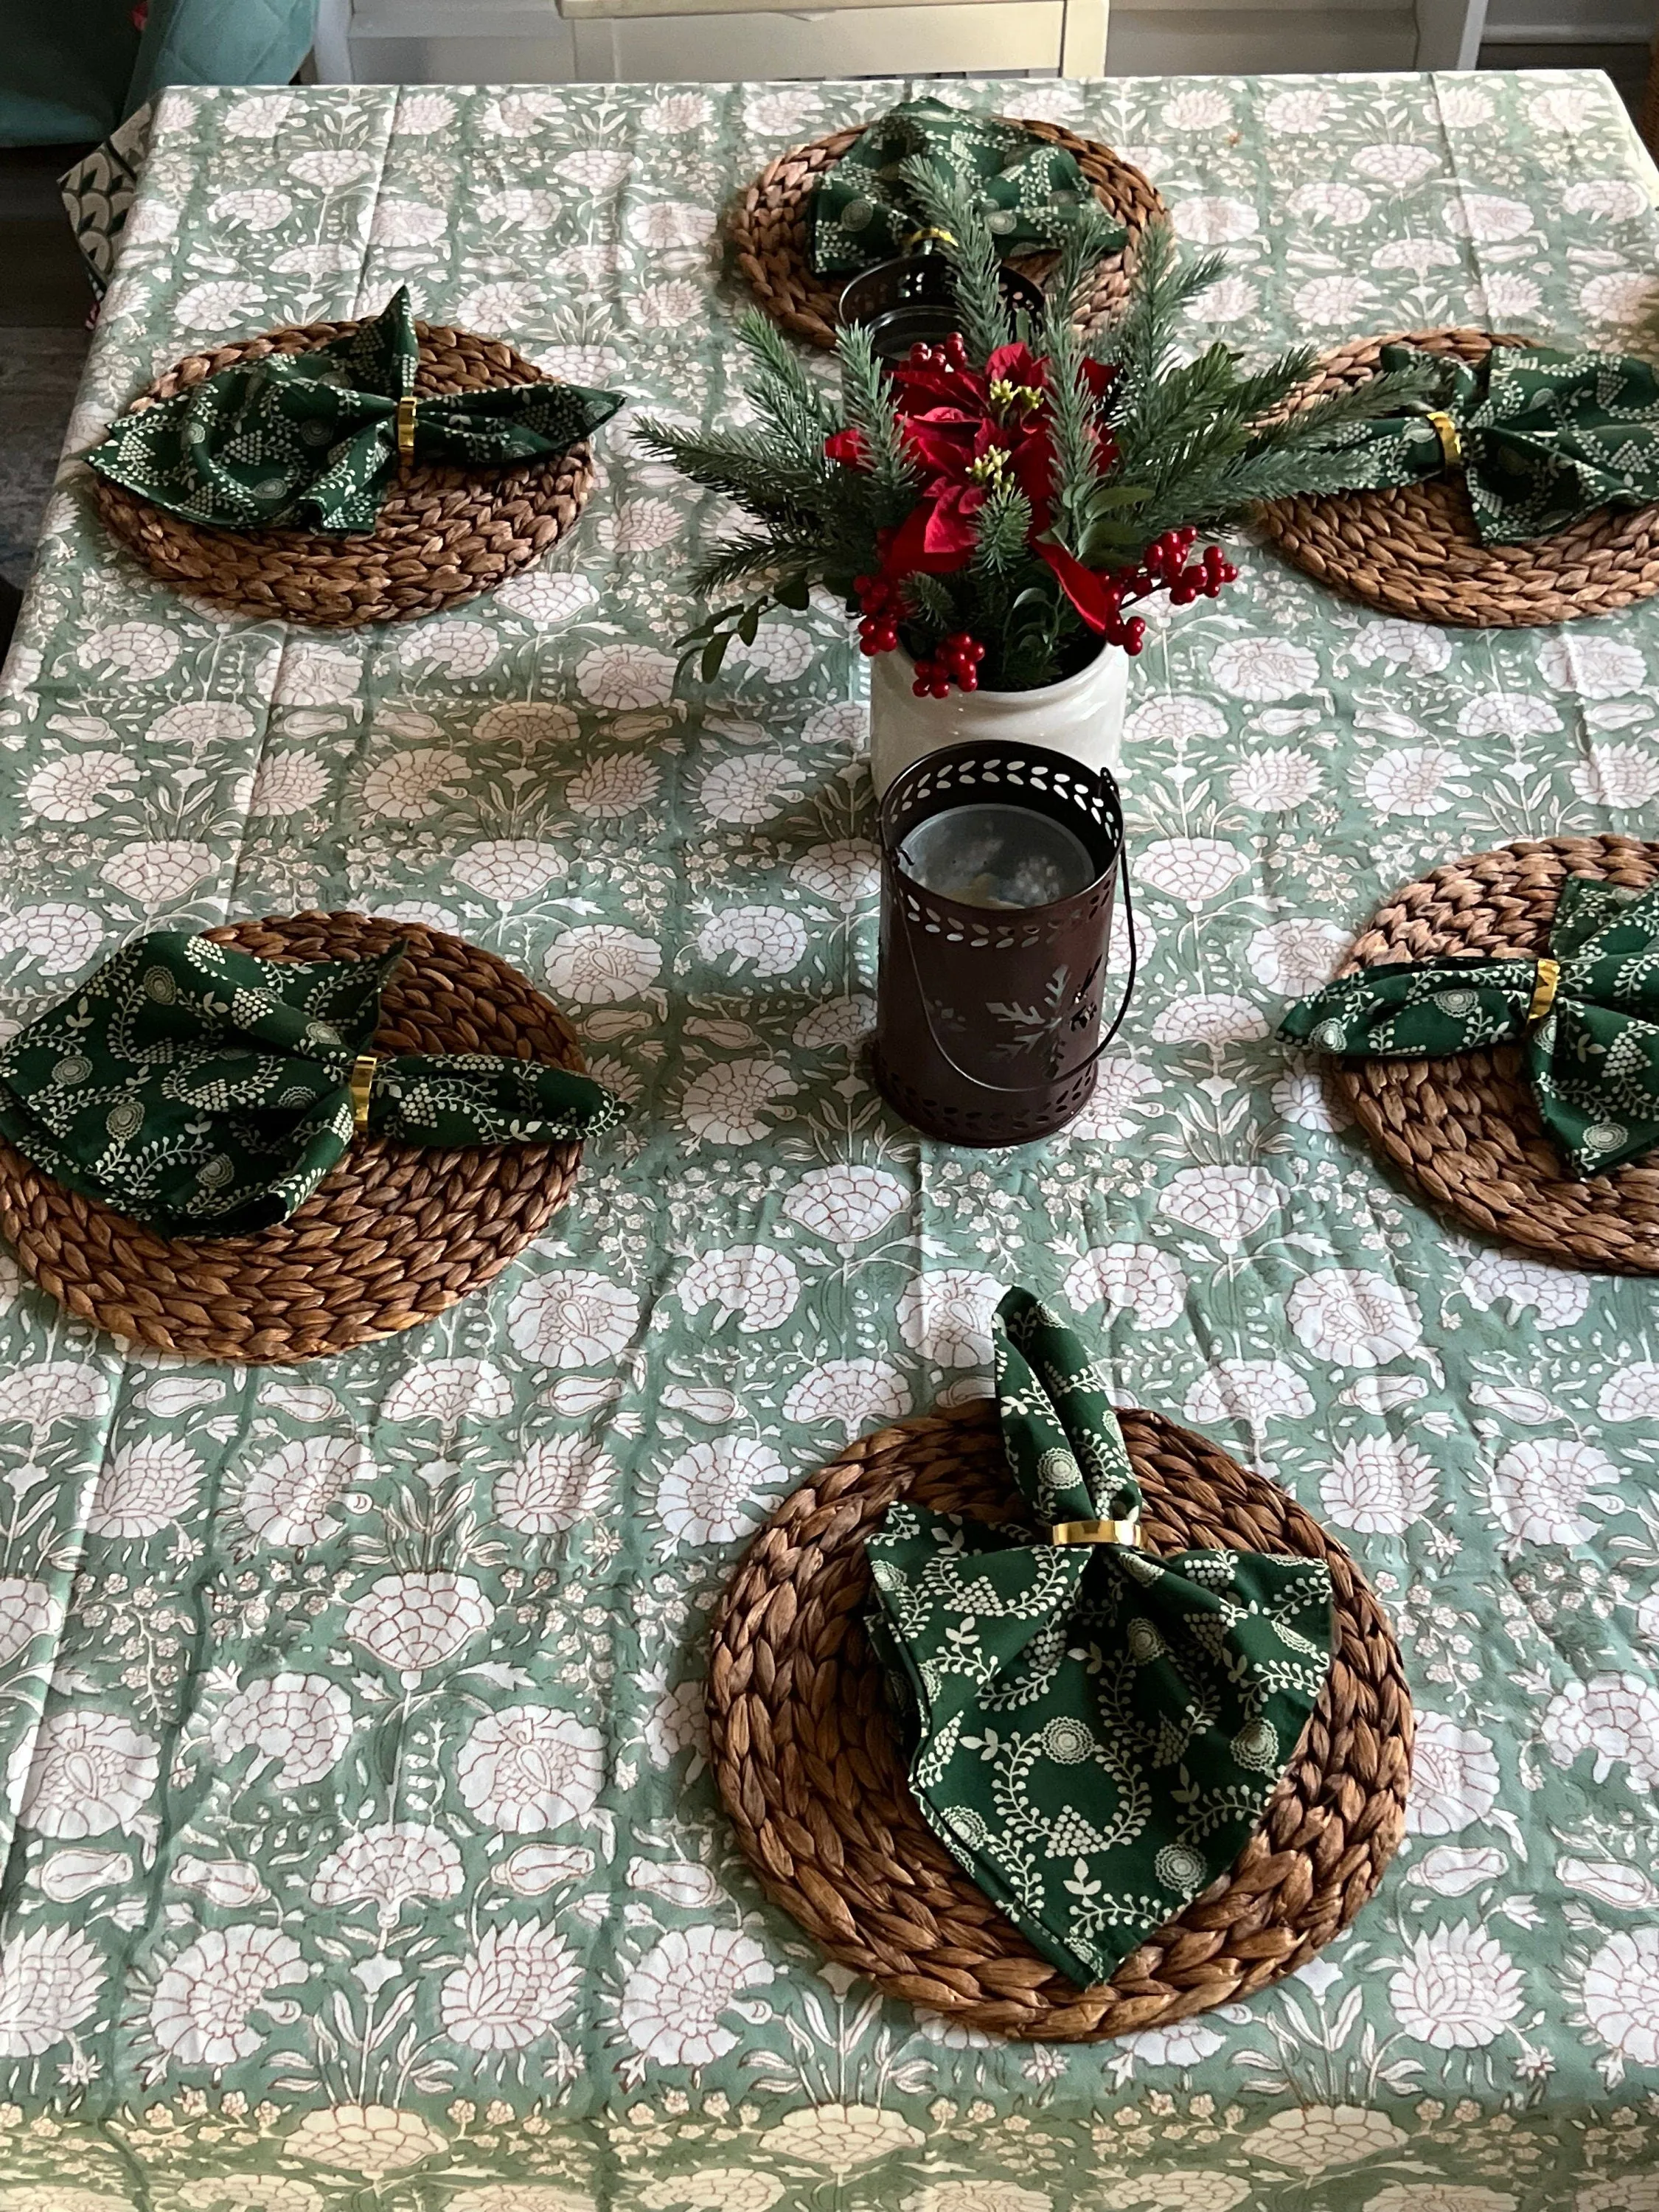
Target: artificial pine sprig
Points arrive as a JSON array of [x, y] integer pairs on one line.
[[894, 480], [952, 208], [999, 504]]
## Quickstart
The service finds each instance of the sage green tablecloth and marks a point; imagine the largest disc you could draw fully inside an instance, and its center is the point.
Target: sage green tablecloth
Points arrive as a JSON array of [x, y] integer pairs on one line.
[[360, 1829]]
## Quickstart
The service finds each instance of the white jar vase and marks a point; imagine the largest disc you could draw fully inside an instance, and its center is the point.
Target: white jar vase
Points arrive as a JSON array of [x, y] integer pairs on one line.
[[1081, 716]]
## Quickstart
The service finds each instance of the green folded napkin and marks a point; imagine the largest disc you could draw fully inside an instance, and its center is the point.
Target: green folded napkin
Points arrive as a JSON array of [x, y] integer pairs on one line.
[[206, 1093], [1541, 437], [311, 438], [863, 210], [1097, 1729], [1587, 1011]]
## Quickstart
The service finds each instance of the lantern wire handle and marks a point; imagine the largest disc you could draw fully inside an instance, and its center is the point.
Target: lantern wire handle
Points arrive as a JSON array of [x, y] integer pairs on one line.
[[1109, 793]]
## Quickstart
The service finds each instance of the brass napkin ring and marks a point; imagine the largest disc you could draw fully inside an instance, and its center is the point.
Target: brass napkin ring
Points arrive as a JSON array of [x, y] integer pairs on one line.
[[1127, 1531], [919, 237], [360, 1082], [406, 429], [1451, 446], [1543, 991]]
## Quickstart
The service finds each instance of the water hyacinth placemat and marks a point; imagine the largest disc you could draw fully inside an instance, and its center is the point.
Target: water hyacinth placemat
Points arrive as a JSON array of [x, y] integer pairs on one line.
[[809, 1752], [393, 1235], [487, 1932], [443, 534], [771, 228], [1464, 1127], [1415, 551]]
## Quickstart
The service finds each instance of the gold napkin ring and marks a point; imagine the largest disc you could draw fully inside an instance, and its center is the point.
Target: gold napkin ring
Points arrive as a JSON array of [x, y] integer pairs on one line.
[[1097, 1532], [360, 1082], [405, 428], [1451, 446], [1543, 991], [920, 237]]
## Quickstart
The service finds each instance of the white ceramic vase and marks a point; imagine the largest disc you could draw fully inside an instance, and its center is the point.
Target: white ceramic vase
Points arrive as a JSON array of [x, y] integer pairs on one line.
[[1081, 717]]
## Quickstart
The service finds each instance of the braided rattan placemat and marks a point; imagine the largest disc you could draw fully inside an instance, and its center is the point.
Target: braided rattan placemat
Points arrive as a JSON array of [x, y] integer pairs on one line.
[[1465, 1132], [395, 1234], [1414, 552], [768, 229], [443, 534], [807, 1758]]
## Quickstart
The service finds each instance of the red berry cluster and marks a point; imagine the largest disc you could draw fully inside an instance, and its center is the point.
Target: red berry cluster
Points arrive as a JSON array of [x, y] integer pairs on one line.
[[1163, 567], [952, 355], [956, 662], [1165, 560], [883, 606]]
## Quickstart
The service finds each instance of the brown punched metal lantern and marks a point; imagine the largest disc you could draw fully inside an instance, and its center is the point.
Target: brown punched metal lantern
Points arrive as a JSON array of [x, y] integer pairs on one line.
[[912, 300], [987, 1018]]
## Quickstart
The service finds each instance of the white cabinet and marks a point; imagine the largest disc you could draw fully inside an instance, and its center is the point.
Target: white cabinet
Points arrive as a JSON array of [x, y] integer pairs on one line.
[[558, 41]]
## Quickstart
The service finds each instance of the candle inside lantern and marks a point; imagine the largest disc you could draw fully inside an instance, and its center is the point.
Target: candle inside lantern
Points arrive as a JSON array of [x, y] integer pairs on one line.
[[998, 856]]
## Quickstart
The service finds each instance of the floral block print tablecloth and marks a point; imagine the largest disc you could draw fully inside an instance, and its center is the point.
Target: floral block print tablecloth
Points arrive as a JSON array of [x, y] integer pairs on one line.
[[362, 1846]]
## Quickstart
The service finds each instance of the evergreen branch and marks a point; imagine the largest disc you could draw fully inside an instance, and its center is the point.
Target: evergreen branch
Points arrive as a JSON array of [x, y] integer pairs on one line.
[[930, 597], [798, 408], [1074, 418], [1394, 391], [949, 203], [1000, 528], [1196, 399], [756, 555], [1263, 394], [869, 402], [743, 464], [776, 357], [1138, 341]]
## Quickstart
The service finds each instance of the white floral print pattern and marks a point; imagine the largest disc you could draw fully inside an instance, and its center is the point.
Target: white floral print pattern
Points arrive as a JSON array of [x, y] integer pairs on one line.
[[145, 1487], [412, 1622], [529, 1767], [525, 774], [50, 1982], [84, 1774], [205, 2002], [1457, 1989], [676, 1999], [514, 1990]]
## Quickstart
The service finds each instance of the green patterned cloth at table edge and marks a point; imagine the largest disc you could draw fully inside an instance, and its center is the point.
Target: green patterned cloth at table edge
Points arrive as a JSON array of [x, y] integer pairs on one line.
[[862, 211], [206, 1092], [1542, 437], [1095, 1730], [313, 438], [1587, 1011]]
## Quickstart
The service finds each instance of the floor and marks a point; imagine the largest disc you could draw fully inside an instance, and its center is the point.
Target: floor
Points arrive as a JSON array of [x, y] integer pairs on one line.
[[1626, 65], [45, 303]]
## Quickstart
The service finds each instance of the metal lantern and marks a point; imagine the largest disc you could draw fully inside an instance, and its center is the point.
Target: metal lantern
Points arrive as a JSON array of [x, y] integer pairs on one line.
[[912, 300], [999, 864]]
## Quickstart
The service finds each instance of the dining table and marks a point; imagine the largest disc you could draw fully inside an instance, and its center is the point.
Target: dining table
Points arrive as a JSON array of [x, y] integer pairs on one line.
[[320, 1894]]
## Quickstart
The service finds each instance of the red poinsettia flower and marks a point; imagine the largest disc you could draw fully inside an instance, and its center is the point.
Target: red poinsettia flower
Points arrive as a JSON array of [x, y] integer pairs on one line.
[[848, 447], [971, 432]]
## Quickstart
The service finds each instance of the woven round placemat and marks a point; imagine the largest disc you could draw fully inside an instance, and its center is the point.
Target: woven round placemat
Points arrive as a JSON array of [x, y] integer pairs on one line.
[[1465, 1132], [1414, 552], [443, 534], [807, 1757], [397, 1233], [768, 229]]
